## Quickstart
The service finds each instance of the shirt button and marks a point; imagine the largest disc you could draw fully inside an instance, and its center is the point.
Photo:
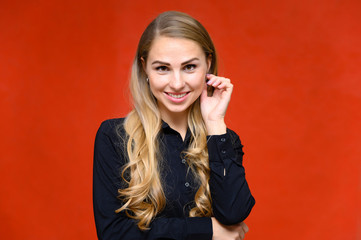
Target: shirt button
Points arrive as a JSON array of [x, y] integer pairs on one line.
[[186, 184], [223, 139], [224, 151], [184, 161]]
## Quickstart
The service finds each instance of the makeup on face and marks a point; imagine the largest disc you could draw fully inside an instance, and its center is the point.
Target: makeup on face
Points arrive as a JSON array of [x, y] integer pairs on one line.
[[176, 69]]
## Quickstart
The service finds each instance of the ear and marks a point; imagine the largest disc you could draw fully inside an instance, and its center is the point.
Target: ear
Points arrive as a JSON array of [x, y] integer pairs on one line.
[[143, 64], [209, 62]]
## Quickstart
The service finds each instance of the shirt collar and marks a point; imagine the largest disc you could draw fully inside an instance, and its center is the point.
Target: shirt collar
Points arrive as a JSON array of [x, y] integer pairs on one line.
[[167, 128], [165, 125]]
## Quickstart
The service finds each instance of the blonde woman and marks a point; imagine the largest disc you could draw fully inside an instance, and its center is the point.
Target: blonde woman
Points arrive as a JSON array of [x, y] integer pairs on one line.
[[171, 169]]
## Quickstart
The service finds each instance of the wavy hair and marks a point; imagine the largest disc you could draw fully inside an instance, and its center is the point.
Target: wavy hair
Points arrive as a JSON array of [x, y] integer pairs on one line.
[[143, 197]]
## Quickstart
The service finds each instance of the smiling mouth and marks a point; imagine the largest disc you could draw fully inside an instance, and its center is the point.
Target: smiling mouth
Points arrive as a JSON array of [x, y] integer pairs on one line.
[[180, 95]]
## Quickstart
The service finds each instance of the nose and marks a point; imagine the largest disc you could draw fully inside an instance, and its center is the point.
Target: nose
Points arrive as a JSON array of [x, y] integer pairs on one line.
[[176, 82]]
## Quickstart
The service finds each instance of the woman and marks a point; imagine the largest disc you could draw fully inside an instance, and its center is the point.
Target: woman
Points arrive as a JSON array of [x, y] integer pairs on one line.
[[171, 169]]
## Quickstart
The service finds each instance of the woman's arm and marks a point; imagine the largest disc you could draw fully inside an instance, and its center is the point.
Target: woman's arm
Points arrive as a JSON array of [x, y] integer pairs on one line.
[[108, 161], [231, 197]]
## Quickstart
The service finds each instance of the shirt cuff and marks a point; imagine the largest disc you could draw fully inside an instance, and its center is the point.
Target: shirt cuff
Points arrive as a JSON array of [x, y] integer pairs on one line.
[[220, 147], [199, 228]]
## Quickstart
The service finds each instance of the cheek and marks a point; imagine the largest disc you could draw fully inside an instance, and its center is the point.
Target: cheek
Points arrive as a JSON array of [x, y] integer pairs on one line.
[[156, 85], [154, 89], [198, 81]]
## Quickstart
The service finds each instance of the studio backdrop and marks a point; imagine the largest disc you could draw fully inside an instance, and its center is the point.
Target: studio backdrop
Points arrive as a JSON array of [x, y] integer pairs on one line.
[[296, 105]]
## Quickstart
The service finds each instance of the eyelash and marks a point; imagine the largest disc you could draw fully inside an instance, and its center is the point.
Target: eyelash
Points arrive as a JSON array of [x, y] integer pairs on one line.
[[192, 66], [188, 67], [161, 68]]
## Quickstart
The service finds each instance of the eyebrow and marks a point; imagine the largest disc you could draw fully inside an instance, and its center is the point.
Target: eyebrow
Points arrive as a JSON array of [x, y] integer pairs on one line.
[[167, 64]]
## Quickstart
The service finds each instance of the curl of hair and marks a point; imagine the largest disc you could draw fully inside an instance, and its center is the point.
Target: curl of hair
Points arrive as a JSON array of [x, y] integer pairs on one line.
[[144, 197]]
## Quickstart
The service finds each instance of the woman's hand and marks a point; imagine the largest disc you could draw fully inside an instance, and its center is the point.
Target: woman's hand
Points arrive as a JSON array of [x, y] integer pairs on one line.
[[214, 108], [232, 232]]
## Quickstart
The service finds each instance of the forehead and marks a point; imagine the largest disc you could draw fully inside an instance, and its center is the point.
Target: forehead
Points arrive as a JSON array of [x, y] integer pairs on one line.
[[173, 49]]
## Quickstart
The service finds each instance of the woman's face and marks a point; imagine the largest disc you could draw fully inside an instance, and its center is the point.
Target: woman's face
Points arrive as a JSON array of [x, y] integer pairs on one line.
[[176, 68]]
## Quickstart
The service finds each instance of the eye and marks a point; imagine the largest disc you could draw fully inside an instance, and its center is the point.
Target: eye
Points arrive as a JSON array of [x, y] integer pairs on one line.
[[162, 68], [190, 67]]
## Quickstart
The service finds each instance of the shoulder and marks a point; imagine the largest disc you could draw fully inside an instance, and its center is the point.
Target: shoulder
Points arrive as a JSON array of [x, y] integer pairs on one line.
[[111, 133], [112, 128], [110, 125]]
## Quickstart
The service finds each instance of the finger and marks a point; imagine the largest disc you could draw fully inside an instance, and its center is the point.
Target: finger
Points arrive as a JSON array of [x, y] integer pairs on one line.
[[209, 77], [241, 235], [225, 85], [220, 82], [212, 80], [216, 82], [245, 227]]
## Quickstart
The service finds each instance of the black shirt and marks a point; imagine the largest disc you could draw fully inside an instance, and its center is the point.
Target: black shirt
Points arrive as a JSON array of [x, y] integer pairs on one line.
[[231, 198]]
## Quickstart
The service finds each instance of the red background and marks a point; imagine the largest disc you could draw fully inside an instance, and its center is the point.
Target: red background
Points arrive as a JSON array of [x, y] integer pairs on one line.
[[296, 67]]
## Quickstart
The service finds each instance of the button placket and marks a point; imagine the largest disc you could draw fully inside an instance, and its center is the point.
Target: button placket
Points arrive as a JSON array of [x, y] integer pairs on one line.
[[222, 145]]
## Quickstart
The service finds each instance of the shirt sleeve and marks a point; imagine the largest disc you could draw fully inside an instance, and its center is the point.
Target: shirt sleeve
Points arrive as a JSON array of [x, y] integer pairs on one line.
[[232, 200], [108, 161]]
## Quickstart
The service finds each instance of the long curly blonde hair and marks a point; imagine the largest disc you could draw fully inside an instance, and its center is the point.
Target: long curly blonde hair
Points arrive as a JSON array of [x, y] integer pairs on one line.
[[144, 197]]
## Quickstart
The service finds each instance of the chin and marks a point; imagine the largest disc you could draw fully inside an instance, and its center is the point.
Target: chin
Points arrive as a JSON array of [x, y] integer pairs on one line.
[[178, 110]]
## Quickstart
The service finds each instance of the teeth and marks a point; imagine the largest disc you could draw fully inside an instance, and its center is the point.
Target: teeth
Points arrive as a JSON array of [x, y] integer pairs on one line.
[[177, 96]]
